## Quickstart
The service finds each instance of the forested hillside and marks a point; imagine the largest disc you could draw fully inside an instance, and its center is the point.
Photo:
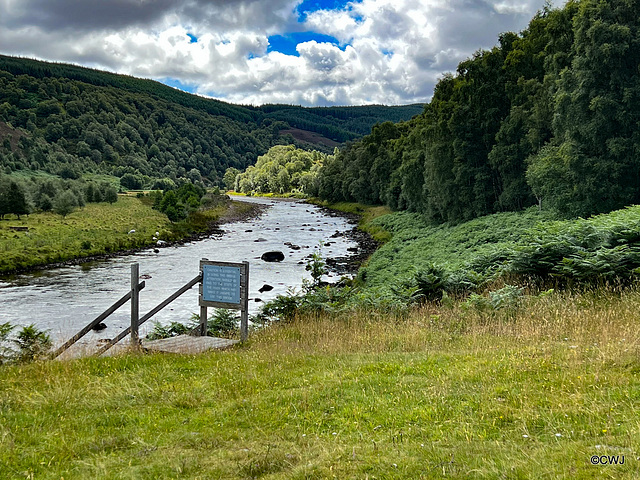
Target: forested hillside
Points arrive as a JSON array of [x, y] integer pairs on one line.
[[550, 116], [70, 120]]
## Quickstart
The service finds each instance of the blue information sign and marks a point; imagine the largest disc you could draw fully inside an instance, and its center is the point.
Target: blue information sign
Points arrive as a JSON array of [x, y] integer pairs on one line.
[[220, 284]]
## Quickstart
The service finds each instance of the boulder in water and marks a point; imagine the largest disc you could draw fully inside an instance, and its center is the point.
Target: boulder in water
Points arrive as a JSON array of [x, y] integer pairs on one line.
[[275, 256]]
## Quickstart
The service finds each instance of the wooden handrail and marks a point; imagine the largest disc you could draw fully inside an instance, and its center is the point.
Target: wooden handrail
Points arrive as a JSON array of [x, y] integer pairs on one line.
[[149, 315], [95, 322]]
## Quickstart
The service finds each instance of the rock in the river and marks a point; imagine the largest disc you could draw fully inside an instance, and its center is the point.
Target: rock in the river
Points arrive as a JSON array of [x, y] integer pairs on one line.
[[99, 327], [260, 240], [265, 288], [275, 256]]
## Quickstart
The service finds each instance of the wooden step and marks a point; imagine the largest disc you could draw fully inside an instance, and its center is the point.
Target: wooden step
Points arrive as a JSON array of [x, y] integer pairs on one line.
[[187, 344]]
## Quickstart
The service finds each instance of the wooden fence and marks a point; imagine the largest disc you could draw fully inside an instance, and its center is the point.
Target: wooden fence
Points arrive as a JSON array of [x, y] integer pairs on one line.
[[134, 296]]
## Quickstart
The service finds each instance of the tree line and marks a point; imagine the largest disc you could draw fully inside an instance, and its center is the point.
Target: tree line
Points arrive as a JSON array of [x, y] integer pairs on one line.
[[283, 169], [46, 194], [69, 120], [547, 117]]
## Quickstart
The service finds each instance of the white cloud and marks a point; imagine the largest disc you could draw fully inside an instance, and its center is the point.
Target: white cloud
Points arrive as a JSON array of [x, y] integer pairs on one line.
[[391, 51]]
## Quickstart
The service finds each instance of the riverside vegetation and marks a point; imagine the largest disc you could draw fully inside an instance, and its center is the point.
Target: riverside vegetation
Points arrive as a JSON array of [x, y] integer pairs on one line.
[[44, 232], [400, 379]]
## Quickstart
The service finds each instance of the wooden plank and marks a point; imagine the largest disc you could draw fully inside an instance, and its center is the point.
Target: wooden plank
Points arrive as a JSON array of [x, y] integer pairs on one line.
[[186, 344], [95, 322], [228, 306], [151, 313], [204, 261]]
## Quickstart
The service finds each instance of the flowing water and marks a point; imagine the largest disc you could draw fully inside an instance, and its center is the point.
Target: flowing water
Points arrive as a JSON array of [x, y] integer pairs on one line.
[[63, 300]]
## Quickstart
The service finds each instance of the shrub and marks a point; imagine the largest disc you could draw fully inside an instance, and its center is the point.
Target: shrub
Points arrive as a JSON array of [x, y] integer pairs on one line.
[[167, 331], [32, 344]]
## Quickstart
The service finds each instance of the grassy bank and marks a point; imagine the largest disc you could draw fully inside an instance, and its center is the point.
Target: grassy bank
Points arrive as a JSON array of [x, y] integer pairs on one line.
[[96, 229], [367, 215], [532, 392]]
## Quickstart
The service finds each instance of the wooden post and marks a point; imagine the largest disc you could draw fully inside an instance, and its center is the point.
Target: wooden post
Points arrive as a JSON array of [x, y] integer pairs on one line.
[[95, 322], [244, 312], [203, 321], [135, 305]]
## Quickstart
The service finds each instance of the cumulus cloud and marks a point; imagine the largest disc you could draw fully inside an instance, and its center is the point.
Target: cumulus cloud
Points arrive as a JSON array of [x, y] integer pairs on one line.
[[386, 51], [90, 15]]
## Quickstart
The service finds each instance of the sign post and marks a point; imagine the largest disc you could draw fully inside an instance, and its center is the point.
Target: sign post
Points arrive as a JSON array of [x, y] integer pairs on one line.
[[225, 285]]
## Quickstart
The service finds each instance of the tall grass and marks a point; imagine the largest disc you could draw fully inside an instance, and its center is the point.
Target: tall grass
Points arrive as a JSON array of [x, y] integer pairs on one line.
[[443, 392]]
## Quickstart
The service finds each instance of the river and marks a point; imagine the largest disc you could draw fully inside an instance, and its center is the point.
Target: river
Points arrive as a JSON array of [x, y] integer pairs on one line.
[[63, 300]]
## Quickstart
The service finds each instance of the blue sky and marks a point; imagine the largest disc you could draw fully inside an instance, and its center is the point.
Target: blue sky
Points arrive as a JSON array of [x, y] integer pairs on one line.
[[310, 6], [310, 52], [288, 42]]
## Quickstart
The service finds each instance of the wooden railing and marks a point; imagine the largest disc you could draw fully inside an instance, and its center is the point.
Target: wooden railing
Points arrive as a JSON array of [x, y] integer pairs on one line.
[[136, 320]]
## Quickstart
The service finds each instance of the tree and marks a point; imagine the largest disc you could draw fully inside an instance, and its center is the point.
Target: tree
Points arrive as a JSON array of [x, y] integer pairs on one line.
[[131, 181], [64, 203], [16, 200], [229, 178], [4, 204], [597, 110], [109, 193]]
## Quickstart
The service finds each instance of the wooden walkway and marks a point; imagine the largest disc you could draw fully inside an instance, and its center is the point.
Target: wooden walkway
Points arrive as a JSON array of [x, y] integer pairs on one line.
[[187, 344]]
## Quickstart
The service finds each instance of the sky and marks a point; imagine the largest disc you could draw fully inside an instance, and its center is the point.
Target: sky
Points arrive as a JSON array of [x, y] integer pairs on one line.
[[300, 52]]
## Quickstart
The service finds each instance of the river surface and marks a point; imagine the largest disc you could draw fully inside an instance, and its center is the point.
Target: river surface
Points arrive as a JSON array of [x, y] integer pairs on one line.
[[63, 300]]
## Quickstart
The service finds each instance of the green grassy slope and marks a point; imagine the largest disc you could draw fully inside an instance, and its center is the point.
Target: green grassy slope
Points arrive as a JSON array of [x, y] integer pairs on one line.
[[444, 393]]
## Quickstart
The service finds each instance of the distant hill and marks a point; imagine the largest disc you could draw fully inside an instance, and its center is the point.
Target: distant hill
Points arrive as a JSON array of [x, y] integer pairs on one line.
[[69, 120]]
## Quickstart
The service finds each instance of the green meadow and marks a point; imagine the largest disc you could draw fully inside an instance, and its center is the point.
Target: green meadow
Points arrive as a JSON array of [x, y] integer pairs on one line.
[[97, 229], [444, 392], [92, 230]]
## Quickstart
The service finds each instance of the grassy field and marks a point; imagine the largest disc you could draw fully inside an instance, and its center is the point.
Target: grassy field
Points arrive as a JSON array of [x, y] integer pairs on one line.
[[367, 214], [531, 392], [95, 229]]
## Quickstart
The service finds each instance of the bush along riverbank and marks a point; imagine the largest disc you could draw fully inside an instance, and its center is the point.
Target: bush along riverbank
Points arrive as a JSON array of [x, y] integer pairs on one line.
[[100, 230], [506, 254]]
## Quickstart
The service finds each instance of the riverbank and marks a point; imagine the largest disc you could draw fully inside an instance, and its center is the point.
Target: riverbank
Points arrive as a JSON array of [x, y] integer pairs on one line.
[[367, 237], [102, 231]]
